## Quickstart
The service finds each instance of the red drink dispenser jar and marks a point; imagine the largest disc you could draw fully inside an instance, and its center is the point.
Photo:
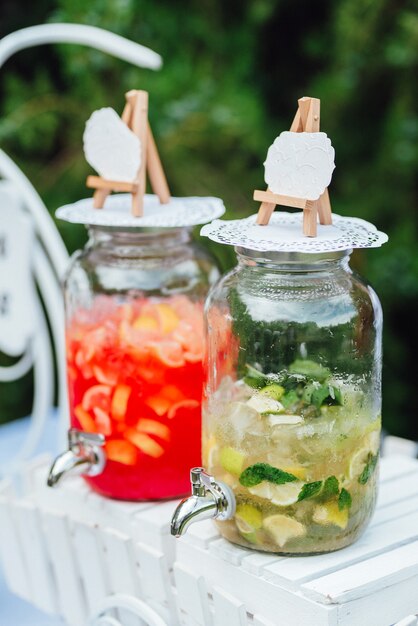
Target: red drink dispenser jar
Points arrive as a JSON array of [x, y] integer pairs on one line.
[[134, 346]]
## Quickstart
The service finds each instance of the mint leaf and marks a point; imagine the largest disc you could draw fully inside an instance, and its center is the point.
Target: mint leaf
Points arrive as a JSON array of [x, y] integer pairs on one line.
[[310, 369], [331, 487], [309, 490], [289, 398], [344, 499], [254, 378], [255, 474], [368, 468]]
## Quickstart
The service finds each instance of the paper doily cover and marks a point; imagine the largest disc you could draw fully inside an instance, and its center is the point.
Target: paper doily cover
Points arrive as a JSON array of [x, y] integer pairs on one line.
[[179, 212], [284, 233]]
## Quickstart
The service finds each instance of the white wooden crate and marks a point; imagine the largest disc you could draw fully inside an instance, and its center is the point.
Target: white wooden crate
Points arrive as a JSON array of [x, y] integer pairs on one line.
[[67, 550]]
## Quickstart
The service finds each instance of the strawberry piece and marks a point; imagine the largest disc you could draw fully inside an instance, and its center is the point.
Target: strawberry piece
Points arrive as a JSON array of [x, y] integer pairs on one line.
[[97, 395]]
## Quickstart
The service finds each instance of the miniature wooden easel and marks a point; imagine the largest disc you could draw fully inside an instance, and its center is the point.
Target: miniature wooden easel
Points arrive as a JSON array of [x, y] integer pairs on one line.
[[135, 116], [306, 119]]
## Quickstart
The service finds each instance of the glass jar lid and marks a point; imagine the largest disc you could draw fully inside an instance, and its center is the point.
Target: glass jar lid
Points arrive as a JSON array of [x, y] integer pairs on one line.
[[179, 212], [284, 233]]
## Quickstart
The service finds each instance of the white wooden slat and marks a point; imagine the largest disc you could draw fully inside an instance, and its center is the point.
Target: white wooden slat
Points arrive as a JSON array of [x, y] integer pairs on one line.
[[383, 608], [258, 620], [120, 515], [32, 470], [228, 610], [90, 560], [228, 551], [411, 620], [395, 511], [71, 596], [365, 578], [291, 572], [393, 467], [192, 596], [6, 488], [155, 577], [12, 553], [39, 568], [395, 491], [121, 563], [202, 533], [396, 446], [152, 527], [255, 563], [260, 596]]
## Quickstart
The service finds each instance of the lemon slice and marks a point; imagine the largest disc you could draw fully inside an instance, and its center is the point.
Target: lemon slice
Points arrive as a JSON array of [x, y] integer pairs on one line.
[[358, 462], [279, 420], [282, 528], [298, 471], [248, 518], [281, 495], [264, 404], [330, 514]]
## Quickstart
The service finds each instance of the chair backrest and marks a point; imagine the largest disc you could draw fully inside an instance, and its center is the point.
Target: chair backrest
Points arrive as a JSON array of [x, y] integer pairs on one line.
[[33, 257]]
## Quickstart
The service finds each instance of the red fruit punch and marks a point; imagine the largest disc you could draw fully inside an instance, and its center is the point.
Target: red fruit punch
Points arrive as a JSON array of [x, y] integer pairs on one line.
[[135, 375]]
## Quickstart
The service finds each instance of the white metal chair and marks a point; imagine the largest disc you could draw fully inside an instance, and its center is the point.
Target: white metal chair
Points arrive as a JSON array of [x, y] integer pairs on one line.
[[22, 208]]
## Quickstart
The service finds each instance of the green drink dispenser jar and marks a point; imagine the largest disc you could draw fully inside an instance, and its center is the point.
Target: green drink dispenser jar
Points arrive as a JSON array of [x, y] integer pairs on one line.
[[292, 395]]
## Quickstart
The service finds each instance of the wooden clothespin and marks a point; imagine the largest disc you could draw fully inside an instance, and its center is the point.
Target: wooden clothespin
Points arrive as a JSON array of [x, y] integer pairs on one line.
[[307, 119], [135, 116]]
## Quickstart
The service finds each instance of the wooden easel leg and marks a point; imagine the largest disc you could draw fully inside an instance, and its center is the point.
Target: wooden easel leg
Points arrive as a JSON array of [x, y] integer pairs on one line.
[[99, 198], [310, 215], [324, 209], [264, 213], [137, 204], [155, 170]]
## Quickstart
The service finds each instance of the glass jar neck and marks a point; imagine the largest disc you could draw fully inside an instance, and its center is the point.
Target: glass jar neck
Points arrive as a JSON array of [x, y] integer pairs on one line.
[[293, 261], [140, 241]]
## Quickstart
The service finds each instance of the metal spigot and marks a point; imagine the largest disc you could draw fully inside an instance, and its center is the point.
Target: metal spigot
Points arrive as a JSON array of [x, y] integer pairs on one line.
[[209, 499], [85, 455]]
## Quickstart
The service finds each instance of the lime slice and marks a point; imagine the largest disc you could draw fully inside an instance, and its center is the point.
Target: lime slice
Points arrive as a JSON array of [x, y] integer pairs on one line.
[[274, 391], [358, 462], [280, 495], [250, 537], [282, 528], [330, 513], [248, 518], [232, 460]]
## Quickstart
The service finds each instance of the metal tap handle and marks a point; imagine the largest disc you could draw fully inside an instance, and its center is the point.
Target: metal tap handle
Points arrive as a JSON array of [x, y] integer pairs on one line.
[[78, 437], [202, 482]]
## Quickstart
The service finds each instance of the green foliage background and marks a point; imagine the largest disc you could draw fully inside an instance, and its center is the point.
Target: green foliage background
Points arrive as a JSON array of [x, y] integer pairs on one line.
[[233, 72]]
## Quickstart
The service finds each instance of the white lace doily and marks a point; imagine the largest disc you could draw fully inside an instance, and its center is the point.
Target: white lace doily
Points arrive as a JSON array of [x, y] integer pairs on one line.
[[284, 233], [117, 212]]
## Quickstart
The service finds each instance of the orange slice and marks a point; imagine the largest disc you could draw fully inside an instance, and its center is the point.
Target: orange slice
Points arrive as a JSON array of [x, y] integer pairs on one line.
[[121, 451], [179, 406], [172, 393], [120, 402], [152, 427], [169, 320], [145, 322], [159, 404], [144, 442], [106, 377], [103, 423], [97, 395], [168, 352], [87, 423]]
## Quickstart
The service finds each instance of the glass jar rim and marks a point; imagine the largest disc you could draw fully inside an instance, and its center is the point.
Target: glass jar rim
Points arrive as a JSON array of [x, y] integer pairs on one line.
[[290, 258]]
